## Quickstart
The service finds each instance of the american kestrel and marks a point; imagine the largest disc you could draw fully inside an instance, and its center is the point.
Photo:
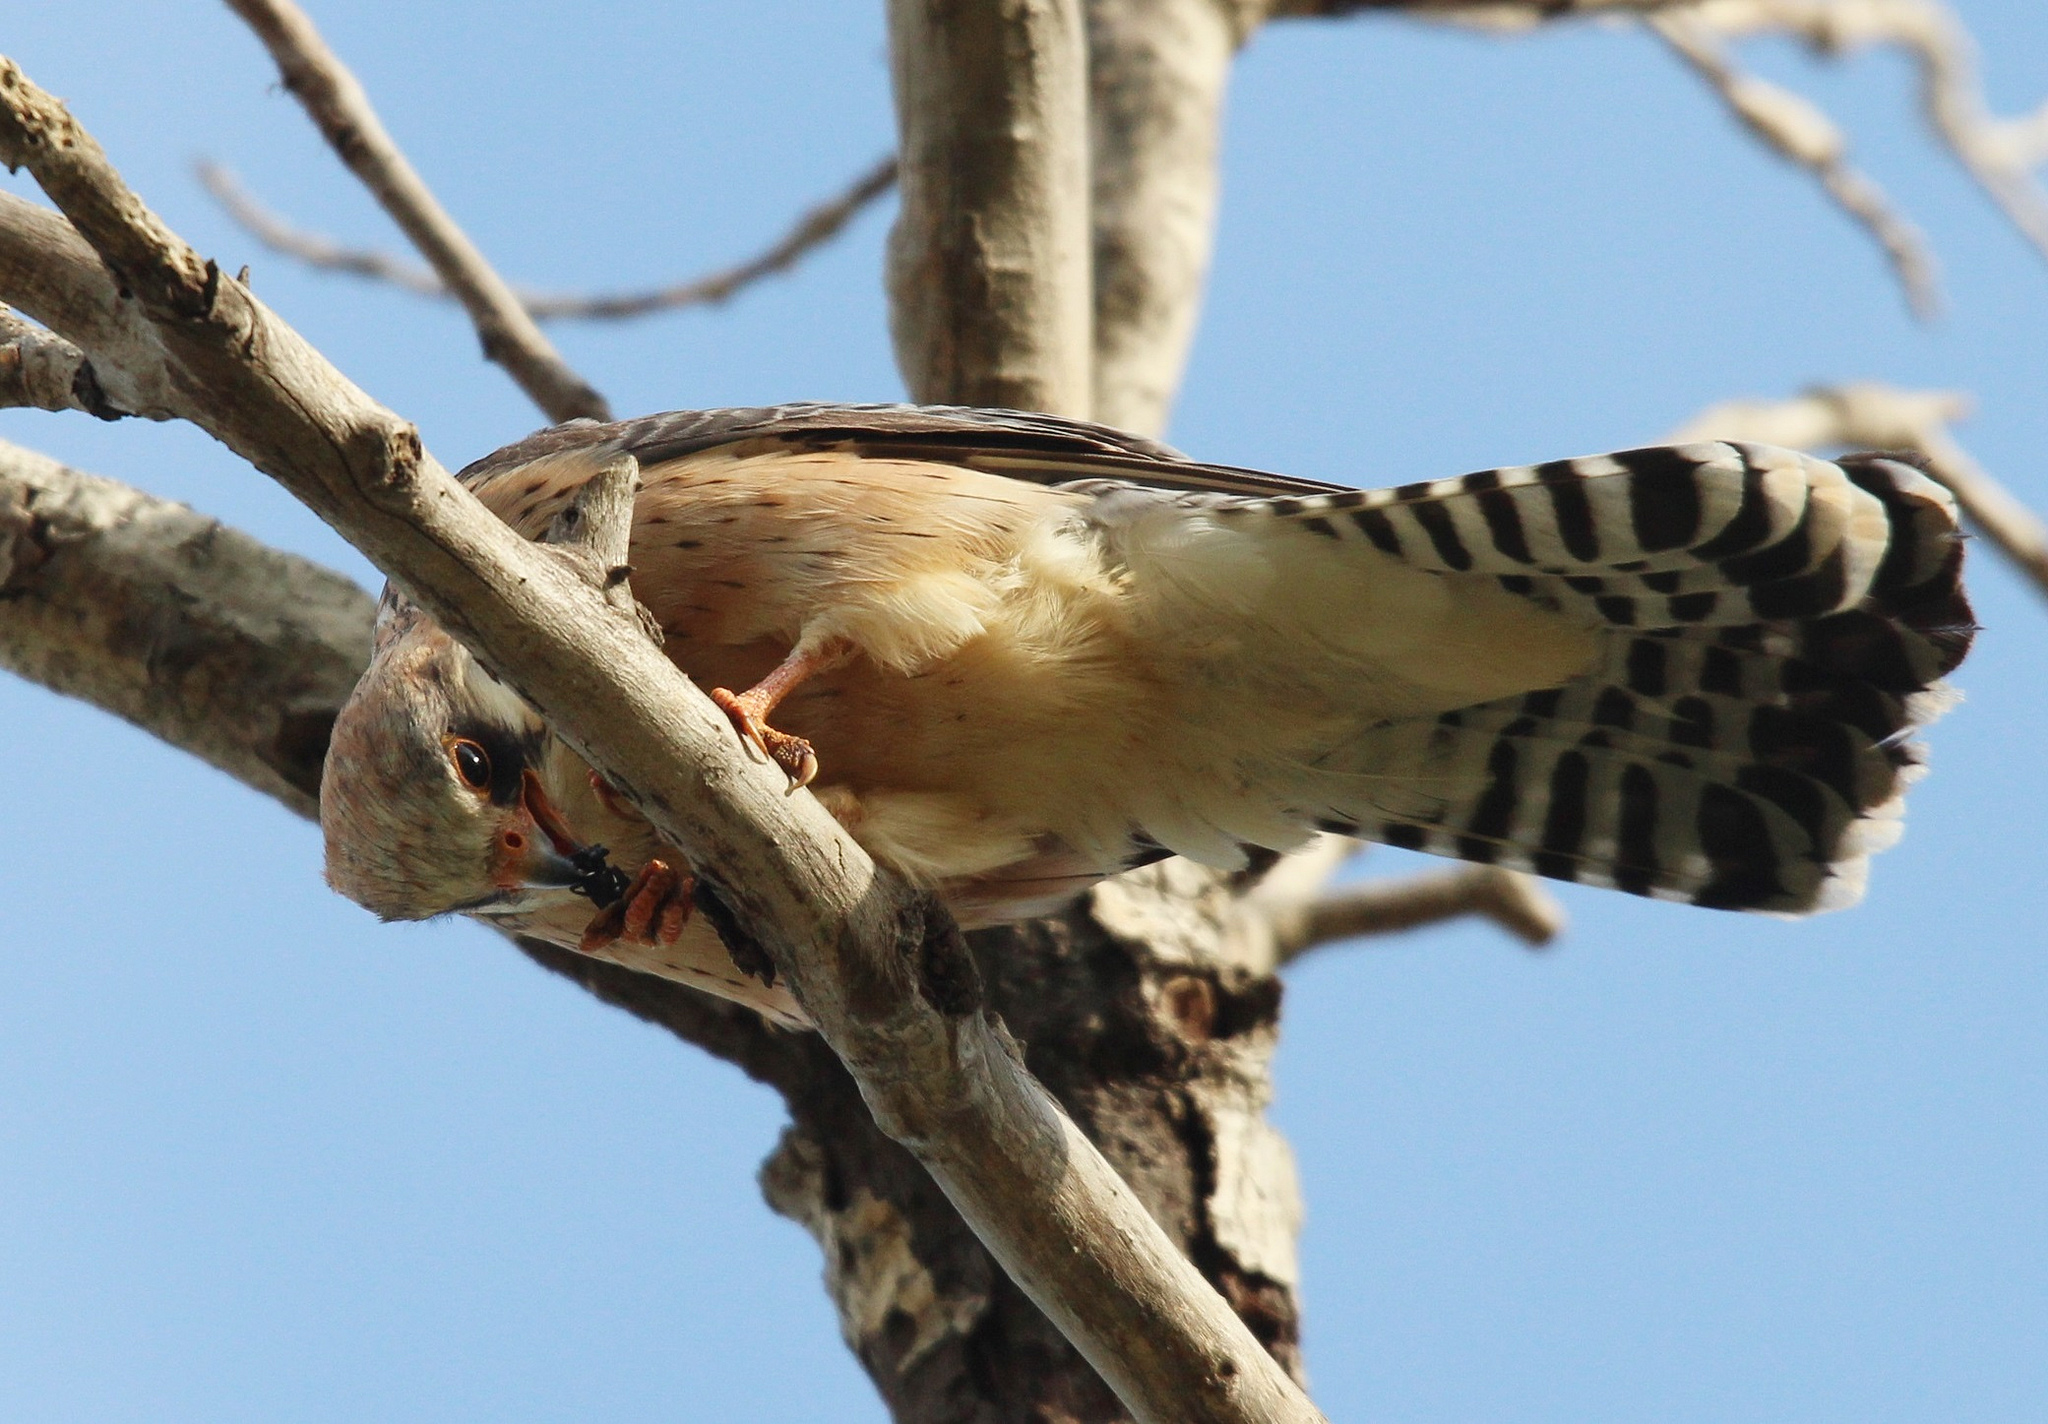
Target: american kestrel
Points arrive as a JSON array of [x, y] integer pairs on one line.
[[1015, 654]]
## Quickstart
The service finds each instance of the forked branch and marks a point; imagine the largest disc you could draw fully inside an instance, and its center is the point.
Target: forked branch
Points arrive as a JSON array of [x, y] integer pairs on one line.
[[337, 103]]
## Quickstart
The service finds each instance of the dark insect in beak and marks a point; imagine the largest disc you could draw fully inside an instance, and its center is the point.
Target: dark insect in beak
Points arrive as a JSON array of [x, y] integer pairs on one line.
[[597, 879]]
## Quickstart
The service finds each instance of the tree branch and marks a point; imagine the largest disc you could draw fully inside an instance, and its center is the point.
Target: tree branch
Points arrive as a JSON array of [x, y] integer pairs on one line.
[[337, 104], [42, 371], [1156, 75], [1515, 902], [878, 968], [195, 633], [2000, 153], [48, 271], [1795, 128], [988, 262], [1877, 417], [814, 228]]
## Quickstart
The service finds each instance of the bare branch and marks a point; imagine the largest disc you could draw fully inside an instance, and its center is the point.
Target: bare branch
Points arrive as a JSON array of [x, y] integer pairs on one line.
[[338, 105], [878, 967], [1878, 417], [48, 271], [2000, 154], [1799, 132], [816, 227], [198, 634], [1156, 76], [989, 292], [43, 371], [1515, 902], [1497, 15]]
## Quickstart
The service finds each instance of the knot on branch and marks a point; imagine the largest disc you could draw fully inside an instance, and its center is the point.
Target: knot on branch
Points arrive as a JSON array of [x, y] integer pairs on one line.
[[946, 973], [594, 533]]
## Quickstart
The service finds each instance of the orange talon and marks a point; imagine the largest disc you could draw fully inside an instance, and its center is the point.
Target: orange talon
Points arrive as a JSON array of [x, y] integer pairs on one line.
[[793, 754], [613, 802], [653, 910], [749, 710]]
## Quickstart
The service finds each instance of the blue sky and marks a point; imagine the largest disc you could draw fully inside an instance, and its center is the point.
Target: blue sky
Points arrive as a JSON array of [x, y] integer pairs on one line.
[[261, 1158]]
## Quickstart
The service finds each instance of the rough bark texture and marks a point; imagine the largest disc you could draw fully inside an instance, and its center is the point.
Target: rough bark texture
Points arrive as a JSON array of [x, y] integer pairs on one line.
[[1146, 1011], [193, 632], [1156, 76], [988, 262]]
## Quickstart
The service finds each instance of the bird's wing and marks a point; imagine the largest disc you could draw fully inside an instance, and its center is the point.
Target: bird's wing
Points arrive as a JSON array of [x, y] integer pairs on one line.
[[1042, 449]]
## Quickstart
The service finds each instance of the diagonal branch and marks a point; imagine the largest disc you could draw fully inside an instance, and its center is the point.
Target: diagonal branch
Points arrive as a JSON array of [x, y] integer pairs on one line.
[[336, 102], [878, 967], [194, 632], [1797, 130], [814, 228], [1877, 417], [2001, 154]]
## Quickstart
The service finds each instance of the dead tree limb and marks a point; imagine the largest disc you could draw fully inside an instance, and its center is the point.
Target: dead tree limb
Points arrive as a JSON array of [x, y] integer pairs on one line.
[[990, 299], [1157, 70], [877, 966], [812, 229], [197, 634], [40, 370], [337, 104], [1796, 129], [1513, 901]]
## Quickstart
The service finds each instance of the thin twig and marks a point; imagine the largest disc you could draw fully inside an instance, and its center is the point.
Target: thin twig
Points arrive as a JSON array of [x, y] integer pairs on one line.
[[1799, 132], [2000, 153], [813, 229], [1516, 902], [337, 103], [1872, 416]]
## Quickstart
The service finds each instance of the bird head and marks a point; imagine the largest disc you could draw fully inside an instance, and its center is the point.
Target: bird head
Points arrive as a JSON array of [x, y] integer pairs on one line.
[[432, 800]]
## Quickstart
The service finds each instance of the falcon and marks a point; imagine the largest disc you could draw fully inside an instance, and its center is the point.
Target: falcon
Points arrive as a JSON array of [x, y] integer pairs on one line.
[[1015, 654]]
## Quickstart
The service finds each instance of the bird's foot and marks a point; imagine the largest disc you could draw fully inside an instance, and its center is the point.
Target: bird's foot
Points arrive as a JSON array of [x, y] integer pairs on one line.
[[608, 796], [749, 714], [653, 910]]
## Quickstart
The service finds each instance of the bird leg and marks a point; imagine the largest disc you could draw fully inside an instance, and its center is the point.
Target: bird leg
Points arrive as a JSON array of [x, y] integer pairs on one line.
[[749, 710], [653, 910]]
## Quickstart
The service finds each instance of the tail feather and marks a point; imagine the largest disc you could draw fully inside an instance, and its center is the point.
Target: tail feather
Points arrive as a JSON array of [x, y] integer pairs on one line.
[[1774, 627]]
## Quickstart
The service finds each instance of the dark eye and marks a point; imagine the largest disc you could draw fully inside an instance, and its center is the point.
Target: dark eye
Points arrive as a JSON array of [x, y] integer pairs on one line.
[[472, 763]]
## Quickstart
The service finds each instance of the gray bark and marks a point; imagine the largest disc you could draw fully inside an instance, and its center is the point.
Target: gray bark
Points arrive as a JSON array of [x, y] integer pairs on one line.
[[989, 295], [198, 634]]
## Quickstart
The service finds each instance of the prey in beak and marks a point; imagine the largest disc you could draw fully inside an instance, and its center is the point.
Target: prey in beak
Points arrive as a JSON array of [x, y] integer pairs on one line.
[[537, 850]]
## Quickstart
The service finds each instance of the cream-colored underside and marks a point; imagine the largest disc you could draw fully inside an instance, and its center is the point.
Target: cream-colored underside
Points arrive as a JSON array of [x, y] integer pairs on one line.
[[1042, 673]]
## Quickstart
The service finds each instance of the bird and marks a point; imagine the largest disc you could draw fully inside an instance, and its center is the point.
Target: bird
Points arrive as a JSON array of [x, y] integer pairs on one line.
[[1015, 654]]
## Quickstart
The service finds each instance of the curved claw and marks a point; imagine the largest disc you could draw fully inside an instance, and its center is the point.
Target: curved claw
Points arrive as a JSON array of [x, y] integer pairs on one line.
[[653, 910], [793, 754]]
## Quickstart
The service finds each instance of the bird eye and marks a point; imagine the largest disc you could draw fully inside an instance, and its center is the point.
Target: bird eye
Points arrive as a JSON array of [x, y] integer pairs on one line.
[[472, 763]]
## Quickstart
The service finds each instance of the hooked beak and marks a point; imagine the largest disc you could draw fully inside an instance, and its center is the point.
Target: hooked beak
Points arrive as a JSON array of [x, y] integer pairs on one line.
[[549, 860], [538, 851]]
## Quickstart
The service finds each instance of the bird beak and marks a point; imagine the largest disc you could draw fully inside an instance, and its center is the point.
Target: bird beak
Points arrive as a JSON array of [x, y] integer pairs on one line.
[[552, 860]]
